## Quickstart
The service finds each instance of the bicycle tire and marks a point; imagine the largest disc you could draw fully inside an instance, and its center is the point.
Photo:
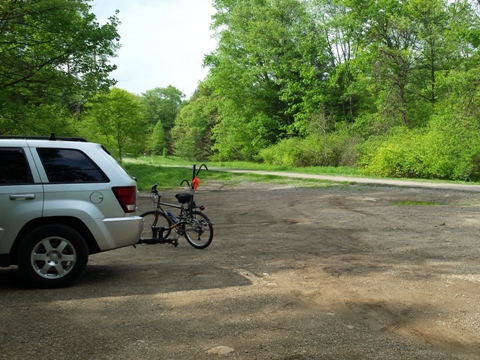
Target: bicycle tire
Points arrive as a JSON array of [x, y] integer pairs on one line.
[[198, 230], [151, 219]]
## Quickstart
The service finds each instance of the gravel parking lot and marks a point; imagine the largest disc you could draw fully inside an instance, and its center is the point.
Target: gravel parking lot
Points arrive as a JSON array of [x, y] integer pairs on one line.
[[339, 272]]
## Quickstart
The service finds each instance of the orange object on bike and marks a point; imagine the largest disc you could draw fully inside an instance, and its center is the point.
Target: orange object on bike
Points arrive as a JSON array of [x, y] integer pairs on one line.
[[195, 183]]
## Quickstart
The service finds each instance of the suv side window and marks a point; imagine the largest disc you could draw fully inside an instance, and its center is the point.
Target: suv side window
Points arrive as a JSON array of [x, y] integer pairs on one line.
[[70, 166], [14, 168]]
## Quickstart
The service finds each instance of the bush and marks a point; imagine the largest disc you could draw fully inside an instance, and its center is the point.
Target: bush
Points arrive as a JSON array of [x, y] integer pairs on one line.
[[331, 149], [391, 156], [446, 149], [286, 152]]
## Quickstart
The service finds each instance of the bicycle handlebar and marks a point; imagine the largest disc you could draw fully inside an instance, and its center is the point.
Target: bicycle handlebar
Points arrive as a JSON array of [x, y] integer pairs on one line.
[[194, 173], [200, 167], [183, 181]]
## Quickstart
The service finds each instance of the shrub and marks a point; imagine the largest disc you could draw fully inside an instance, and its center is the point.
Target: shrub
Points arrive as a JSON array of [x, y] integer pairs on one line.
[[446, 149], [331, 149]]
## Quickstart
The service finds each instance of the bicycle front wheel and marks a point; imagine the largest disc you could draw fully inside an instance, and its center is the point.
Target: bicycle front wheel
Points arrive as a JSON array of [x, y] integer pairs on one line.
[[153, 219], [198, 230]]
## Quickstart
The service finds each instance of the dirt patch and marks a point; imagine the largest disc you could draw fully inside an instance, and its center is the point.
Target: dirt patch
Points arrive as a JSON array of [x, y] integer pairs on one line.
[[292, 273]]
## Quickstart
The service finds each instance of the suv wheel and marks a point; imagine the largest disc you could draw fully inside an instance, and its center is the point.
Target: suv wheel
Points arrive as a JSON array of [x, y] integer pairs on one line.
[[52, 256]]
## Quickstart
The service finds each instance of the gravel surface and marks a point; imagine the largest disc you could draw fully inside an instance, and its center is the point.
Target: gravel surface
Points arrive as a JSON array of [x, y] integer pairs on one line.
[[340, 272]]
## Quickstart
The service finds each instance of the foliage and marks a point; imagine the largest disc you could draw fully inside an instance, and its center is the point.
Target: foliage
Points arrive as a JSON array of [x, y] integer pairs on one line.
[[391, 86], [254, 59], [160, 108], [192, 132], [42, 120], [389, 156], [158, 139], [115, 120], [327, 149], [446, 149], [53, 55], [322, 81]]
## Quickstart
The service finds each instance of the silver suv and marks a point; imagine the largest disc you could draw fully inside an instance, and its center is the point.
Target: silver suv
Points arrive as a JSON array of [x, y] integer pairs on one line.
[[62, 200]]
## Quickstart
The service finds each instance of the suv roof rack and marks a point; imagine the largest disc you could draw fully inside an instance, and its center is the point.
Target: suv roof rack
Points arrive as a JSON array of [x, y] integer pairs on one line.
[[52, 137]]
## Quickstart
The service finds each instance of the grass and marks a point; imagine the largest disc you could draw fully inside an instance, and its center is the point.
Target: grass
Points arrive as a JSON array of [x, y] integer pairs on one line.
[[170, 171], [173, 161], [169, 177]]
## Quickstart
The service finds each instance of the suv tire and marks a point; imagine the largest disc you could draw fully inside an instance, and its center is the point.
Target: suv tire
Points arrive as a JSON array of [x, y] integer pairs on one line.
[[52, 256]]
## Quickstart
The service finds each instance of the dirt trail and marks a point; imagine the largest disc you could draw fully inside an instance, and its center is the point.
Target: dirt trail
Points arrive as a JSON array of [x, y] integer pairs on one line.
[[363, 180]]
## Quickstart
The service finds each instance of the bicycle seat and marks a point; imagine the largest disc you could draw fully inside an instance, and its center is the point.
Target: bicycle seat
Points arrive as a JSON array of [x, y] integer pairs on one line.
[[183, 198]]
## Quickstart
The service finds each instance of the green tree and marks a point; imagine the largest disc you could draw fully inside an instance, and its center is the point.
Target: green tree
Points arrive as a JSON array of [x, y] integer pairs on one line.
[[192, 133], [389, 41], [160, 107], [159, 142], [338, 72], [115, 119], [52, 53], [325, 49], [249, 71]]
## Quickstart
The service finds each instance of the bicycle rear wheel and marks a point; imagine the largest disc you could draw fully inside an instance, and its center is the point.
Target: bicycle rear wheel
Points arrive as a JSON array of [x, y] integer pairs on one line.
[[198, 230], [154, 219]]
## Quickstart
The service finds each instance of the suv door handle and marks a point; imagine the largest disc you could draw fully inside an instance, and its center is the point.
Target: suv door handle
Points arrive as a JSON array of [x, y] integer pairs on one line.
[[22, 196]]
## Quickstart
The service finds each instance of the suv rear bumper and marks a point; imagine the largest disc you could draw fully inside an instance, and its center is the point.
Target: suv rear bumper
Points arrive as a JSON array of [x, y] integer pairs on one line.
[[113, 233]]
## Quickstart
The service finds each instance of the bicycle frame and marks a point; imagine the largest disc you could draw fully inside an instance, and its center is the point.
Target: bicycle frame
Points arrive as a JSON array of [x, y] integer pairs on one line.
[[157, 231], [191, 223], [170, 205]]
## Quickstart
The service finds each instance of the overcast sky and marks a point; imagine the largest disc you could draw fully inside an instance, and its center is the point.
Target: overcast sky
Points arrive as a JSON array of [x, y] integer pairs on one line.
[[163, 42]]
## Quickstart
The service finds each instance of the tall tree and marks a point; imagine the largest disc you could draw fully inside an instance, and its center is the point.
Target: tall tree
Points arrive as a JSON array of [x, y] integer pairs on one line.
[[115, 119], [52, 53], [249, 71], [389, 39], [158, 143], [192, 133], [162, 104], [160, 108]]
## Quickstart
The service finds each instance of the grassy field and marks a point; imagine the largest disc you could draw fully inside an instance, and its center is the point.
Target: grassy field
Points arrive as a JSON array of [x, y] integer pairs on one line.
[[169, 172], [169, 177], [172, 161]]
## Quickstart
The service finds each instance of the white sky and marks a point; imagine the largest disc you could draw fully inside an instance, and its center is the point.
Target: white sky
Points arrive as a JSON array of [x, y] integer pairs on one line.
[[163, 42]]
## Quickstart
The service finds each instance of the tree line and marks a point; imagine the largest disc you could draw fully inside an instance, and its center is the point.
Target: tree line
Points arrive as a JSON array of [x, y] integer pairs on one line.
[[388, 86]]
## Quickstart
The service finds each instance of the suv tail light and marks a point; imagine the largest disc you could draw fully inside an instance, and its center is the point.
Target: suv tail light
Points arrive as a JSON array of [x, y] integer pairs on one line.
[[127, 197]]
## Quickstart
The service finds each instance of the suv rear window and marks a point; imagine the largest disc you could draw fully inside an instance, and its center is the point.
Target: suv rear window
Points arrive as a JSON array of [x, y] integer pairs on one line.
[[14, 167], [70, 166]]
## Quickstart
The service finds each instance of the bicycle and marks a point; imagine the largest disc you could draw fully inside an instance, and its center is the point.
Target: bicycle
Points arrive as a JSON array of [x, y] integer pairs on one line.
[[190, 223]]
